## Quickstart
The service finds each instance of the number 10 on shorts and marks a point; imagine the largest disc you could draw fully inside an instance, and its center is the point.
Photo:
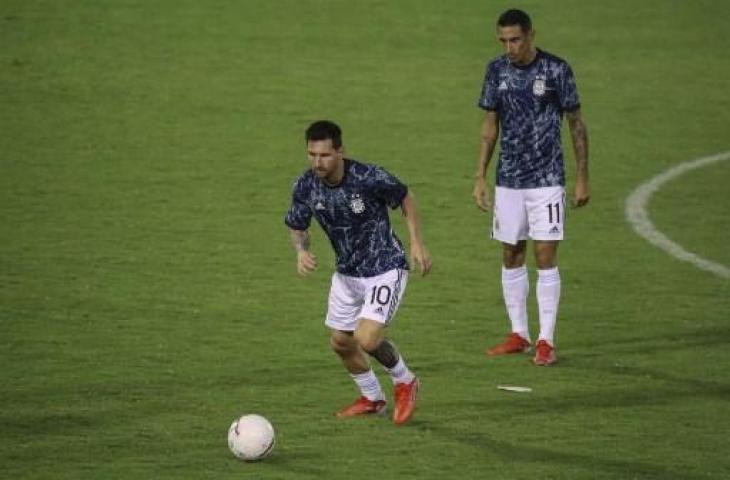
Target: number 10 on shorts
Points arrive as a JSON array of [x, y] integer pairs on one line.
[[380, 294]]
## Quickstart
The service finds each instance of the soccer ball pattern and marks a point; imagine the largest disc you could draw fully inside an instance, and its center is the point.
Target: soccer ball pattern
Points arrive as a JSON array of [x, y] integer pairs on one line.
[[251, 437]]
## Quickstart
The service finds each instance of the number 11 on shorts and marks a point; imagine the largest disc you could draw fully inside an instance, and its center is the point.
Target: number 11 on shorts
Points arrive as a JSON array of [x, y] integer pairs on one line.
[[550, 207]]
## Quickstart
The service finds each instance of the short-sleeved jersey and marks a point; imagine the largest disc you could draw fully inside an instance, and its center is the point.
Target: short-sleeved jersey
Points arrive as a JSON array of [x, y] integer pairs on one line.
[[354, 215], [530, 101]]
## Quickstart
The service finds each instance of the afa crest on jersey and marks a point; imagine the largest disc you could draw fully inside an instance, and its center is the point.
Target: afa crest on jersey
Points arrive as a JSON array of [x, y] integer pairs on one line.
[[356, 204], [538, 87]]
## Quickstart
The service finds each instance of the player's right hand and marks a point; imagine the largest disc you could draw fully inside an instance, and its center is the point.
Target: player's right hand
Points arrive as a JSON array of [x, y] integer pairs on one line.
[[481, 195], [306, 262]]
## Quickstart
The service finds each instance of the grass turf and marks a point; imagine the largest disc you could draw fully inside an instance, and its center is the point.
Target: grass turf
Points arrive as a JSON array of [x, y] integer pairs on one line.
[[148, 292]]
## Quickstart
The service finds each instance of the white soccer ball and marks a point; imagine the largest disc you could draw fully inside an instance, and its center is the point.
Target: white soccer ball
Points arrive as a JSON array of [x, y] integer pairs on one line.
[[251, 437]]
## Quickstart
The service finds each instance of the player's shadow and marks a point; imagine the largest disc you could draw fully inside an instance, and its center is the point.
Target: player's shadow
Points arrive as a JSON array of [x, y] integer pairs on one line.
[[667, 342], [642, 387], [299, 463], [524, 453], [669, 388]]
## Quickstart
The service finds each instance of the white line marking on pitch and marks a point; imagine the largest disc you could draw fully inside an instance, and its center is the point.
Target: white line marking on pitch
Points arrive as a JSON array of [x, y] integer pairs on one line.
[[639, 218]]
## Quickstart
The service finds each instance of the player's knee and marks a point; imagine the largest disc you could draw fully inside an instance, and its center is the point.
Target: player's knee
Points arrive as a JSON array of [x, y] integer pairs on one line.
[[546, 255], [513, 256], [341, 343], [368, 340], [513, 261]]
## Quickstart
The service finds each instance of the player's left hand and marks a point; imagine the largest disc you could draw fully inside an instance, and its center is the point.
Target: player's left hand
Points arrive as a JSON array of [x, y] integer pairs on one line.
[[582, 195], [420, 257], [306, 262]]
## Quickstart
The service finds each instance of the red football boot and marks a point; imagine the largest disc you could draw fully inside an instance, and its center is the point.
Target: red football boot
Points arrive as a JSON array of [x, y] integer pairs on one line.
[[544, 354], [363, 406], [406, 395], [513, 344]]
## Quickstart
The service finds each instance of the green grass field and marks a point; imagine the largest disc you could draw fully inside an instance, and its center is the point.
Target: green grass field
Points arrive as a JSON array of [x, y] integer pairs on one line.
[[148, 292]]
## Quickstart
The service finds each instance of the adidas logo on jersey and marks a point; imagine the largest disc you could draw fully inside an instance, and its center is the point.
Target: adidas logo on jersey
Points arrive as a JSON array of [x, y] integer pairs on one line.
[[502, 86], [554, 231], [379, 310], [319, 206]]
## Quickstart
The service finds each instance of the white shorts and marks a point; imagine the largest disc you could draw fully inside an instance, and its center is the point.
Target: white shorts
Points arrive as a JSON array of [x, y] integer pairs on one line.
[[375, 298], [536, 213]]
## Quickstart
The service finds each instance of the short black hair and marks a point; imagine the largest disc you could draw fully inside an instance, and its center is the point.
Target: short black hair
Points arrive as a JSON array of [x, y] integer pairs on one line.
[[324, 130], [515, 17]]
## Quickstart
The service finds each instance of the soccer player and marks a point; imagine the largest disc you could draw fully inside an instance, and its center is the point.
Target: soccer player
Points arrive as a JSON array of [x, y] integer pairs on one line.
[[525, 93], [350, 201]]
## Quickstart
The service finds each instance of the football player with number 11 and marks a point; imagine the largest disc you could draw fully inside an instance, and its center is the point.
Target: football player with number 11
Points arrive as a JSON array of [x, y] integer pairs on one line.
[[525, 94]]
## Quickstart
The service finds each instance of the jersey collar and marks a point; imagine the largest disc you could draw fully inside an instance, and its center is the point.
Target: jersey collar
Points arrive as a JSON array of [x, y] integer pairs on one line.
[[346, 166], [538, 54]]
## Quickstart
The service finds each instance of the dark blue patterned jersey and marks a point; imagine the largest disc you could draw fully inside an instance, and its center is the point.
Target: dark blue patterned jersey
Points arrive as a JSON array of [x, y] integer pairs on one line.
[[530, 101], [354, 215]]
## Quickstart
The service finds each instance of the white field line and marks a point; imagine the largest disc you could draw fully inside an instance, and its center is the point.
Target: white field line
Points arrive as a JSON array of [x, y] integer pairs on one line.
[[638, 217]]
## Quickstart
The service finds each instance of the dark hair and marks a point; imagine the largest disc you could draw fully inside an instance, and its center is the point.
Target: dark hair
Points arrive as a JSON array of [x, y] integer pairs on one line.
[[324, 130], [515, 17]]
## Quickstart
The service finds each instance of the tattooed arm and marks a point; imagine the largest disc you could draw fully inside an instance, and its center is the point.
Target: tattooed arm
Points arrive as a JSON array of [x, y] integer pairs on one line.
[[579, 134], [306, 261]]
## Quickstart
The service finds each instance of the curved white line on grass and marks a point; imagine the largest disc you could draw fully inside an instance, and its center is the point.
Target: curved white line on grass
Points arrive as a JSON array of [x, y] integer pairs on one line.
[[639, 218]]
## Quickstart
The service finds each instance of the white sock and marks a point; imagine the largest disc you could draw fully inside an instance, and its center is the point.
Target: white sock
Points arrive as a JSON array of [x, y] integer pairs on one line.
[[515, 288], [548, 298], [369, 385], [400, 373]]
